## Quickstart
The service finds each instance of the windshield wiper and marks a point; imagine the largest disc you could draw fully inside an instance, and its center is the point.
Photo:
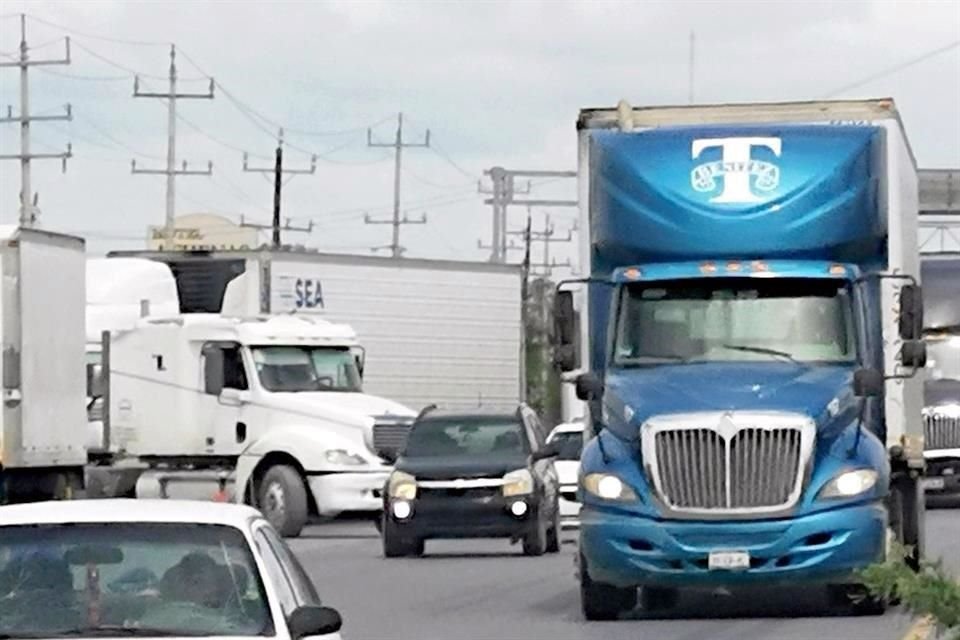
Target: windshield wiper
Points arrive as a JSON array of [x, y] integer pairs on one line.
[[764, 350]]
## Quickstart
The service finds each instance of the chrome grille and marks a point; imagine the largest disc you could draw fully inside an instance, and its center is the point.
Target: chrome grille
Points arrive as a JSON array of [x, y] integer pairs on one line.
[[745, 464], [941, 431], [390, 437]]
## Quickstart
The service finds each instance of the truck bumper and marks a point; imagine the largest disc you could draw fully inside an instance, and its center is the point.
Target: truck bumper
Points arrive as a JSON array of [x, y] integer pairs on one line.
[[626, 550], [335, 493]]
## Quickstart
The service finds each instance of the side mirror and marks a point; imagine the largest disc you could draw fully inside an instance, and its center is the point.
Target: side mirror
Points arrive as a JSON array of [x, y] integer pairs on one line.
[[867, 383], [911, 312], [913, 354], [564, 335], [589, 387], [360, 357], [313, 621], [233, 397], [549, 450]]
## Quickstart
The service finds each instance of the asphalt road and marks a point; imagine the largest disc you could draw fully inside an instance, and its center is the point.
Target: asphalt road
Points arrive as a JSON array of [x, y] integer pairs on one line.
[[479, 590]]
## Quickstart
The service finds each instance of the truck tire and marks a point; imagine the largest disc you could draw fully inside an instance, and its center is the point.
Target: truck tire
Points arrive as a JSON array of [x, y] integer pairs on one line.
[[282, 498], [553, 535], [600, 601], [908, 517], [535, 542]]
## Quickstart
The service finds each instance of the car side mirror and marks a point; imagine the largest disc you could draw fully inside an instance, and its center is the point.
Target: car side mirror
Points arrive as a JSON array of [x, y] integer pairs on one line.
[[911, 312], [549, 450], [913, 354], [95, 381], [589, 387], [867, 383], [309, 621], [564, 335], [233, 397]]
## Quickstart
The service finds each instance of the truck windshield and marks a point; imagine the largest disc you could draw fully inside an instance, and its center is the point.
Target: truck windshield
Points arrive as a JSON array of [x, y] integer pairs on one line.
[[127, 579], [292, 369], [734, 319], [943, 357]]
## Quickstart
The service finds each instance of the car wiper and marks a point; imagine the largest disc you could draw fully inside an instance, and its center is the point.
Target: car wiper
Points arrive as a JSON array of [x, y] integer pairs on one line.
[[764, 350]]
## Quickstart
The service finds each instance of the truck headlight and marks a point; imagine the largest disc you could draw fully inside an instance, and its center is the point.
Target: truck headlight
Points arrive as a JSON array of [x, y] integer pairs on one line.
[[850, 483], [343, 457], [402, 486], [608, 487], [517, 483]]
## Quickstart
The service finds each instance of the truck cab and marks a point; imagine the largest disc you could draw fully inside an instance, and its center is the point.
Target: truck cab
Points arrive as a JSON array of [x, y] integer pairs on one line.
[[264, 410], [747, 346]]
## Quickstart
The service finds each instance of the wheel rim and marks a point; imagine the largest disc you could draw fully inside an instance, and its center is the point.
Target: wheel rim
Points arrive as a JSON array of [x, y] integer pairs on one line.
[[274, 502]]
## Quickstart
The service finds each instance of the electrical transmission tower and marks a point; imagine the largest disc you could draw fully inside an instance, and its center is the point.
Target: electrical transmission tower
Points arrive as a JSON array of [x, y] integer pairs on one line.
[[547, 236], [171, 170], [502, 195], [398, 145], [28, 200], [278, 170]]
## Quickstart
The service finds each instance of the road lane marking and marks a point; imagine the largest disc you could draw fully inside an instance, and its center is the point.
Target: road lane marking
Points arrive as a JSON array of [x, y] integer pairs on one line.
[[922, 629]]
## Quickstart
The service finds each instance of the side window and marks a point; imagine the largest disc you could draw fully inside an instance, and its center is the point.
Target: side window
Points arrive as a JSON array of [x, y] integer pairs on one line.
[[303, 588], [275, 573], [223, 368]]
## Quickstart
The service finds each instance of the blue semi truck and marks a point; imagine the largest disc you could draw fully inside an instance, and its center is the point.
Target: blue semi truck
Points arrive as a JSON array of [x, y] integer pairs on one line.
[[747, 344]]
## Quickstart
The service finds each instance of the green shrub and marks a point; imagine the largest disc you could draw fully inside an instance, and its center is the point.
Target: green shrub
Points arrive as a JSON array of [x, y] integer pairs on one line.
[[931, 591]]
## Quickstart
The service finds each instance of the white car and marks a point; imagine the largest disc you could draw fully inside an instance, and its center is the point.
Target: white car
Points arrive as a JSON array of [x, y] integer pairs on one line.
[[567, 464], [152, 569]]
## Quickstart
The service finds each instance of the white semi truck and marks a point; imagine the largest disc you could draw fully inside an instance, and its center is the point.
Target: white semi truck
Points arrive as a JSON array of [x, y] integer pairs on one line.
[[263, 409], [42, 434], [439, 332]]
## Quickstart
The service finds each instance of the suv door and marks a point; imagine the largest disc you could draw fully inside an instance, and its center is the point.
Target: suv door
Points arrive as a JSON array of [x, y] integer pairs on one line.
[[543, 469]]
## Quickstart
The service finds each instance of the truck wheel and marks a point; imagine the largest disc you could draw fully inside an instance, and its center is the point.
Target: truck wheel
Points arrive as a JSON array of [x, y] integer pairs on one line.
[[553, 535], [535, 542], [601, 601], [857, 599], [908, 515], [658, 598], [283, 500]]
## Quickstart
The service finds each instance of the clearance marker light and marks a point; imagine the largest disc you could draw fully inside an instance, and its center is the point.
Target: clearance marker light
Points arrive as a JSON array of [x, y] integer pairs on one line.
[[708, 267], [837, 270], [632, 274], [733, 266]]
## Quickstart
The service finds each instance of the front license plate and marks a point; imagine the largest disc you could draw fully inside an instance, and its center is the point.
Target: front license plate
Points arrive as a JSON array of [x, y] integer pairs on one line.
[[932, 483], [728, 560]]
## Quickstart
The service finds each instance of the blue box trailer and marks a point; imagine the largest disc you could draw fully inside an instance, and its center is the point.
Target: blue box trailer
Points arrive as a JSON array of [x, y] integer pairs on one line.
[[747, 345]]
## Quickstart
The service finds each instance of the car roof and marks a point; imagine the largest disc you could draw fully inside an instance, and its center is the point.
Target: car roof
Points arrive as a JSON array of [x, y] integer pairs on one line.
[[127, 510]]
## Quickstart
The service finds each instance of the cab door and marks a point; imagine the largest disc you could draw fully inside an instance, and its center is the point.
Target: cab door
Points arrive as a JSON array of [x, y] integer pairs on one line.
[[225, 400]]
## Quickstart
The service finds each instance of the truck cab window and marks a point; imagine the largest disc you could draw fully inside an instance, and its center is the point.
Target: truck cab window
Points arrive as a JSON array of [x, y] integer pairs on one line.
[[735, 319]]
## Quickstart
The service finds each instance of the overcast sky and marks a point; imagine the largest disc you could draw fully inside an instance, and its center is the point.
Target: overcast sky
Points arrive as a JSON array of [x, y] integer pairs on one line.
[[495, 82]]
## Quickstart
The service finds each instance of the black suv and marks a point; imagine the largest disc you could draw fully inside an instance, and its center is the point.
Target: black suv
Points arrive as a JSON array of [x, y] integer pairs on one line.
[[473, 475]]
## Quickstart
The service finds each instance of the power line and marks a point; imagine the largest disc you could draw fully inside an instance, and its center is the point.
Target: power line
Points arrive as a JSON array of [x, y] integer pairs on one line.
[[115, 64], [894, 69], [76, 76], [146, 43]]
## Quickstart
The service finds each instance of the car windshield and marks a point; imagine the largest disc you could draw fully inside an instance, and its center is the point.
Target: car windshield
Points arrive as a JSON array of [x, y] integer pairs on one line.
[[468, 437], [99, 580], [943, 357], [570, 443], [734, 319], [292, 369]]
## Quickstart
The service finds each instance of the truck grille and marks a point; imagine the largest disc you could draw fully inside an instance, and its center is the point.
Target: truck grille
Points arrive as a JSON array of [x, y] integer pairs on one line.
[[390, 437], [941, 431], [744, 465]]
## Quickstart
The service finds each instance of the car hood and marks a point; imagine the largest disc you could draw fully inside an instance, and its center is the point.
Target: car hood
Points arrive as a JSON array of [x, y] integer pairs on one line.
[[942, 391], [450, 468], [634, 395]]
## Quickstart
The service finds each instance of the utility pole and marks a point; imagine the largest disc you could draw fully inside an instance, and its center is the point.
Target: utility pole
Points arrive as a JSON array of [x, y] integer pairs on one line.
[[28, 200], [278, 170], [546, 236], [503, 192], [171, 171], [398, 144]]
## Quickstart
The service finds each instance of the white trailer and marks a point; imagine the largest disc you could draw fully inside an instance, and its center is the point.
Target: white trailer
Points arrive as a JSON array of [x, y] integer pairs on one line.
[[42, 420], [435, 332]]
